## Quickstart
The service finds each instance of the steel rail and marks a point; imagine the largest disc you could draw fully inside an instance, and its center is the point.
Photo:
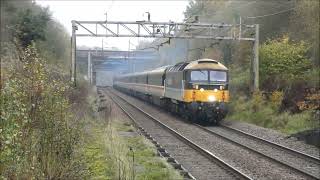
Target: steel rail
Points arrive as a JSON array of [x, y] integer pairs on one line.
[[193, 145], [138, 126], [302, 154], [309, 175]]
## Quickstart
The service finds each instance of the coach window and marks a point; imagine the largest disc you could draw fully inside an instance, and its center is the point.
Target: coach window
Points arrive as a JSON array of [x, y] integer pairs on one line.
[[218, 76]]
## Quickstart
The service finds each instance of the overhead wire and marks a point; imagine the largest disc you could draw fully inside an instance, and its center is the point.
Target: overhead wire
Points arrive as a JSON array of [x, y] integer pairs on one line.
[[266, 15], [239, 7]]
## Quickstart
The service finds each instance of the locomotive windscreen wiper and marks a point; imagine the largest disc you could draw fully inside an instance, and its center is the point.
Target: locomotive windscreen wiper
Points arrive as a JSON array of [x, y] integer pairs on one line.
[[202, 72]]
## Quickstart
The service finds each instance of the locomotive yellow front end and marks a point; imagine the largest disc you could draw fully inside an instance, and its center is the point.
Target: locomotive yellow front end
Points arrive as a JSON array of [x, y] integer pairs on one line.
[[206, 90]]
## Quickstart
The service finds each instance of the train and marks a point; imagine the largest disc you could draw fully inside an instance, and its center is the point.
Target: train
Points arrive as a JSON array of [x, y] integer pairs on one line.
[[196, 90]]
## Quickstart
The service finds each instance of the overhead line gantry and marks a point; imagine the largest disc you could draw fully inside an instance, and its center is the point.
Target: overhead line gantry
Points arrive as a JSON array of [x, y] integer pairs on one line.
[[181, 30]]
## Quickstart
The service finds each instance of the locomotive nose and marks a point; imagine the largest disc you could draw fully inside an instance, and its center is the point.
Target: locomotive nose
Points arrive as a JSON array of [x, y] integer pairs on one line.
[[212, 98], [222, 108]]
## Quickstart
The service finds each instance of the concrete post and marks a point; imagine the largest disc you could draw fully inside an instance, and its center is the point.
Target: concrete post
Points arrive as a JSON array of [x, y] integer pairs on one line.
[[256, 60], [240, 28], [91, 74], [89, 67], [73, 53]]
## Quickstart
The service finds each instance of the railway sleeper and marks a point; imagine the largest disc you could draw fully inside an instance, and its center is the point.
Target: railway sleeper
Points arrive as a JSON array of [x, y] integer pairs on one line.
[[176, 165], [170, 159]]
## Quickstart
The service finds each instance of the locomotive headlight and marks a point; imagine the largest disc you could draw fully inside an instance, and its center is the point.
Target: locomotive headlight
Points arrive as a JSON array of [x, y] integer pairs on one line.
[[201, 89], [211, 98]]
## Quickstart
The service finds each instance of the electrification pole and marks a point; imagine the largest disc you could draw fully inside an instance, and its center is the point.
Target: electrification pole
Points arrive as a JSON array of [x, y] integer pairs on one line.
[[73, 53], [256, 60], [89, 68]]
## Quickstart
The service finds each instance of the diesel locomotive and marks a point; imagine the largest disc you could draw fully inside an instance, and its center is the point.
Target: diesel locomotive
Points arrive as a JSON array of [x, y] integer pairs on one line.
[[197, 90]]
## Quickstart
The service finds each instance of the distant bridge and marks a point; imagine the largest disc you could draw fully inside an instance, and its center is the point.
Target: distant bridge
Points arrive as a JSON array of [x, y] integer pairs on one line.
[[113, 53], [115, 61]]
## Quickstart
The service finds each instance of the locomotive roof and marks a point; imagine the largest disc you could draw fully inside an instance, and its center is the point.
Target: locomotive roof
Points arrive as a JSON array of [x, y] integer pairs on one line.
[[197, 64], [205, 64], [154, 71], [158, 70], [132, 74], [162, 68]]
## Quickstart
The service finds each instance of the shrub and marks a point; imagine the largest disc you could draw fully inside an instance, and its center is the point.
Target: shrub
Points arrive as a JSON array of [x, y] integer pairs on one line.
[[257, 101], [239, 80], [276, 99], [262, 113], [38, 132], [282, 61]]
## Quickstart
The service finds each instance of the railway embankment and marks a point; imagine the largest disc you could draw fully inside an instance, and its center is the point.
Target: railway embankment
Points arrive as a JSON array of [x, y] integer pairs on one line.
[[260, 112], [289, 95]]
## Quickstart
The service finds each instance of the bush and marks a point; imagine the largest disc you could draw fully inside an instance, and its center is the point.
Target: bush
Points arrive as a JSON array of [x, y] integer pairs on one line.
[[282, 62], [29, 26], [263, 113], [312, 78], [276, 99], [38, 132], [39, 129], [239, 80]]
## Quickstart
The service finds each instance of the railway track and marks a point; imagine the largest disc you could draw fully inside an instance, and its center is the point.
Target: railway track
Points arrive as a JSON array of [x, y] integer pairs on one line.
[[289, 150], [214, 161], [313, 161], [269, 163]]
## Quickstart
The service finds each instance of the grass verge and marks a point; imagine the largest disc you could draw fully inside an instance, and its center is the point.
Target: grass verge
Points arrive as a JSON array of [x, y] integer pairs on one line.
[[113, 150], [262, 113]]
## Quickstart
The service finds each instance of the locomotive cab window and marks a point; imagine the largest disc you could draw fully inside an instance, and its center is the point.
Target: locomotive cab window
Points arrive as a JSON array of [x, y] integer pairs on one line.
[[199, 75], [218, 76], [207, 79]]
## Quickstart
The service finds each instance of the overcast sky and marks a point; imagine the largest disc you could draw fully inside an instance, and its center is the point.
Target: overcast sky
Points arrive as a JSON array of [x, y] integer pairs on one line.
[[65, 11]]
